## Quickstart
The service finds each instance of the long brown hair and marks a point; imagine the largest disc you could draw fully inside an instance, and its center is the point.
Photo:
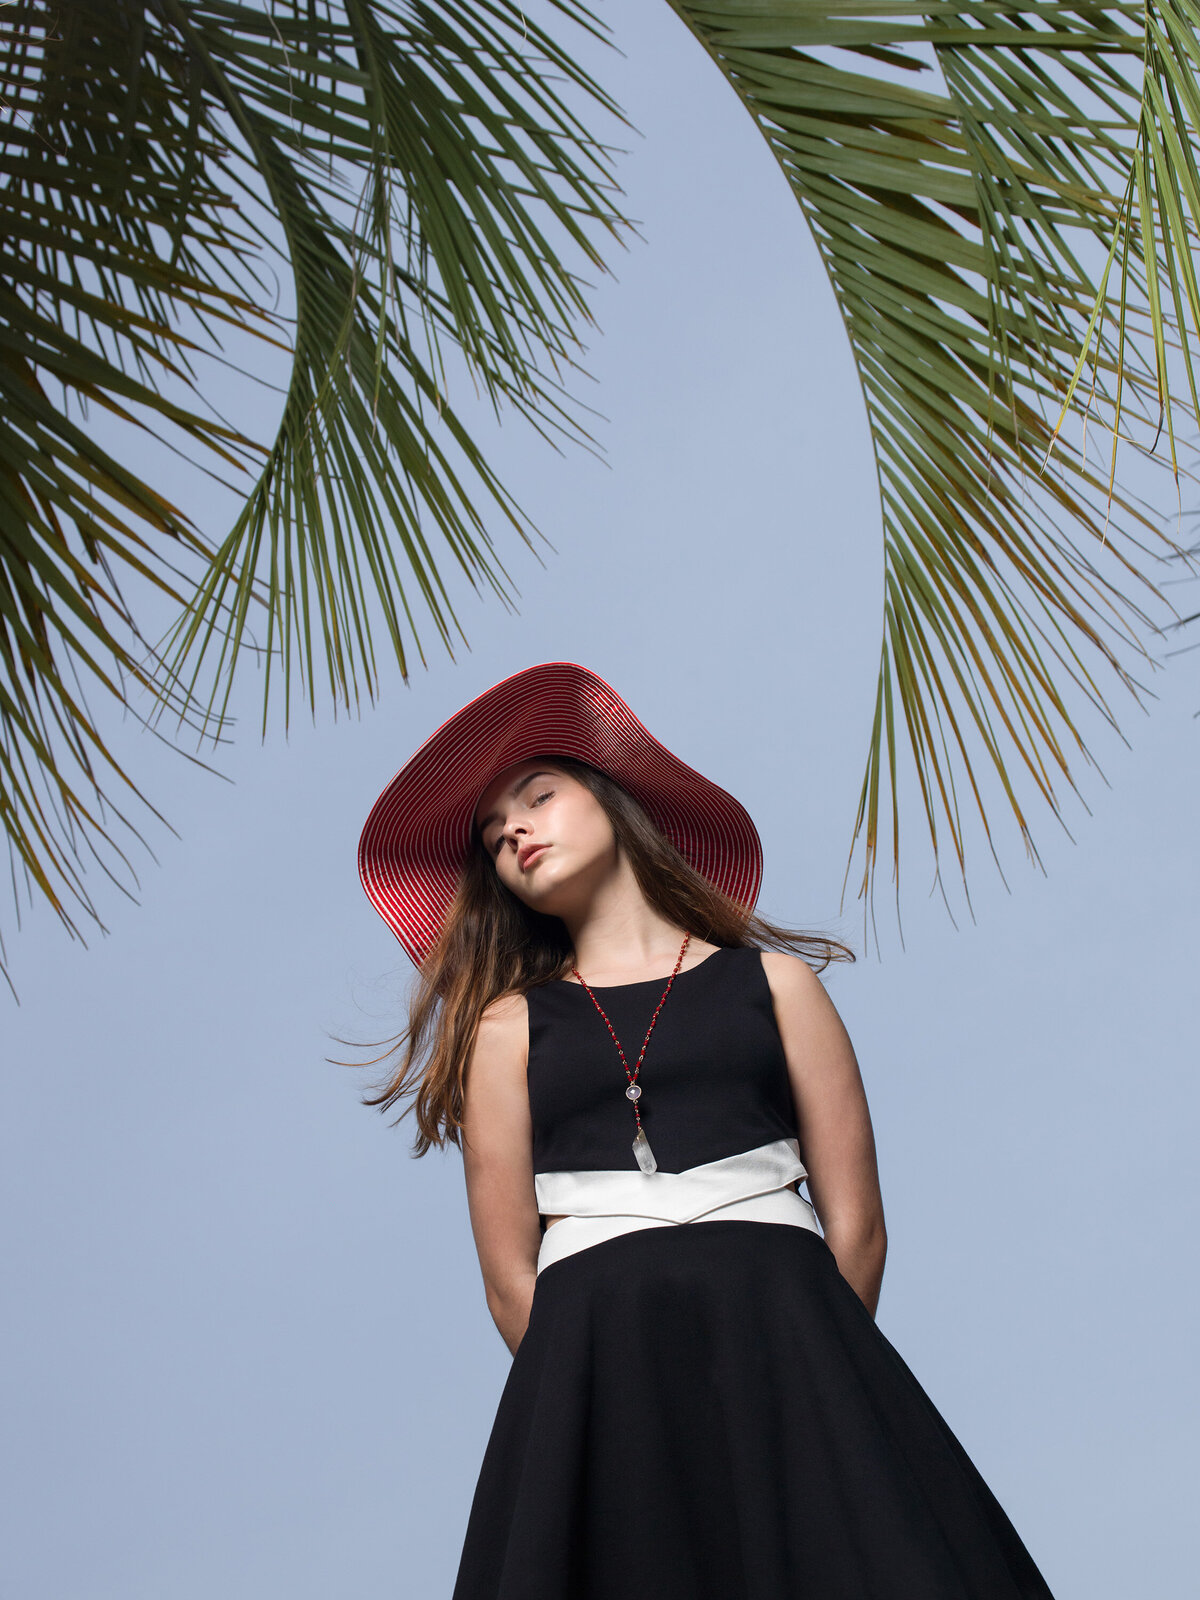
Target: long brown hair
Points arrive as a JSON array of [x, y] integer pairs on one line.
[[493, 944]]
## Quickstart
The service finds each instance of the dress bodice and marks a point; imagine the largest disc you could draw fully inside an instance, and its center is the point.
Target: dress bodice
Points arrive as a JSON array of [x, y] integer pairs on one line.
[[714, 1079]]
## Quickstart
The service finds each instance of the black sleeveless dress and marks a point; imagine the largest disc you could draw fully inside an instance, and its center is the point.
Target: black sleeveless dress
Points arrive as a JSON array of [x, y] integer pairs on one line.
[[709, 1411]]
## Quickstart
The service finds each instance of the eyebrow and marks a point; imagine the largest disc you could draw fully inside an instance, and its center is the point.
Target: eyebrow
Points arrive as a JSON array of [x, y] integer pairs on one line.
[[513, 793]]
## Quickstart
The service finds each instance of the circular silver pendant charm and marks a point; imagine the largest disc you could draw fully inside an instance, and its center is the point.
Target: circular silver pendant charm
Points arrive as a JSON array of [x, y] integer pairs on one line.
[[633, 1092]]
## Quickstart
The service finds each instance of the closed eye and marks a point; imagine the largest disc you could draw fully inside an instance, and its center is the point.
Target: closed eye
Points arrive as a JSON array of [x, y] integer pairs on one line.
[[545, 795]]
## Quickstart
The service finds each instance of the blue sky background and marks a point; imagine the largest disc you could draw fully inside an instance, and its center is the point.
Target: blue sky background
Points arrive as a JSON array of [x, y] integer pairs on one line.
[[245, 1336]]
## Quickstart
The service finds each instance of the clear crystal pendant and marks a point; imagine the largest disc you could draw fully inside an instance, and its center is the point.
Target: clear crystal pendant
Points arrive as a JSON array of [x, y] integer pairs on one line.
[[643, 1153], [633, 1092]]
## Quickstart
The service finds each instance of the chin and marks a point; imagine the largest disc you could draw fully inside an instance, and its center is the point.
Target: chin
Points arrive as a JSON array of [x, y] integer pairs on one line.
[[523, 889], [538, 896], [534, 900]]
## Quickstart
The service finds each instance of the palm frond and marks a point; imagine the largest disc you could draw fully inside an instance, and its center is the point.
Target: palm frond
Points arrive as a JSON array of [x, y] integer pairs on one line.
[[962, 168], [434, 200], [1157, 228]]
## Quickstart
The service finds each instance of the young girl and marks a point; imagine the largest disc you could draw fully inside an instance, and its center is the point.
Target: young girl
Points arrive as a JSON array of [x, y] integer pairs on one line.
[[640, 1073]]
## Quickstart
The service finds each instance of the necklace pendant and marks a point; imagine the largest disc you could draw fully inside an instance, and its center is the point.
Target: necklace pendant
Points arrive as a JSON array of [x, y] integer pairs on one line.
[[633, 1092], [643, 1154]]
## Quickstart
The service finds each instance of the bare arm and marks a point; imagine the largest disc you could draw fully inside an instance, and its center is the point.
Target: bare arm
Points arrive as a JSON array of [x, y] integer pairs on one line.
[[497, 1139], [836, 1139]]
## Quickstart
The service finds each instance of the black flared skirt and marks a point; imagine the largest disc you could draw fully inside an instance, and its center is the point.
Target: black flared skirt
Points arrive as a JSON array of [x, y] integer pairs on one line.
[[709, 1412]]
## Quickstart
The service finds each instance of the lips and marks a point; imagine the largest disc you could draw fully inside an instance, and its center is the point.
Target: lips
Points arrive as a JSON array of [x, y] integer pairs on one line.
[[532, 855]]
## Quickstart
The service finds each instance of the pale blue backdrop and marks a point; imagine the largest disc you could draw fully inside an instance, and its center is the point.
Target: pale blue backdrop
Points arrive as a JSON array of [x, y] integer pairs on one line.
[[245, 1342]]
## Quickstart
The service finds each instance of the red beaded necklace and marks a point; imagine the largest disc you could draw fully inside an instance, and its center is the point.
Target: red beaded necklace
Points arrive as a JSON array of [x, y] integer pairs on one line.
[[642, 1152]]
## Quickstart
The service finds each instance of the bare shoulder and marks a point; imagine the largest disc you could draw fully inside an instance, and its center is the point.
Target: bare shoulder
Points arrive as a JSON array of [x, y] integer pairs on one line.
[[791, 979], [814, 1037], [502, 1038], [506, 1011], [495, 1118]]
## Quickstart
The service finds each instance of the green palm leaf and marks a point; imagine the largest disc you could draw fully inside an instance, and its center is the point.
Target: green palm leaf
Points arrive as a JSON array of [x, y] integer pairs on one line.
[[1006, 200], [437, 198], [966, 172]]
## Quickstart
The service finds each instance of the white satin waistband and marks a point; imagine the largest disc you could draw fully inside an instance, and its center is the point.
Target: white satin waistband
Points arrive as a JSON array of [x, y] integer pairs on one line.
[[753, 1186]]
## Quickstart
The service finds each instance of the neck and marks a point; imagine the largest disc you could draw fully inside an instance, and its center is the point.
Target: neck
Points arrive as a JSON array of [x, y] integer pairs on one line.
[[621, 934]]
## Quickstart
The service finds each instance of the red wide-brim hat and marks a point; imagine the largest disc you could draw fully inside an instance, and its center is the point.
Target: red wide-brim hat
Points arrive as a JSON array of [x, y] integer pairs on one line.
[[418, 834]]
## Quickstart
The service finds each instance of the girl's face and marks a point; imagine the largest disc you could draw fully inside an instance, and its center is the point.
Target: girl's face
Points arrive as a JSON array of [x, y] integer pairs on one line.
[[547, 835]]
